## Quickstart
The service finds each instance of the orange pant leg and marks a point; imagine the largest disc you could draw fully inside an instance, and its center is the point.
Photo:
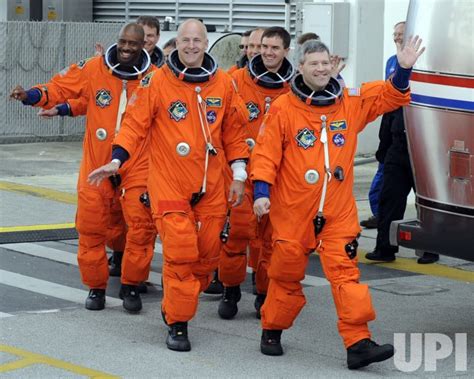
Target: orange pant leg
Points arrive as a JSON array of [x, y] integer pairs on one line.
[[180, 253], [117, 231], [141, 237], [92, 221], [233, 259], [255, 246], [209, 246], [285, 297], [352, 299], [265, 254]]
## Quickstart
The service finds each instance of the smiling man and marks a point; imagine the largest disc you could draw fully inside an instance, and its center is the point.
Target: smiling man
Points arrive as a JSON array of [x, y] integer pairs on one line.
[[194, 118], [266, 77], [106, 83], [151, 27], [305, 152]]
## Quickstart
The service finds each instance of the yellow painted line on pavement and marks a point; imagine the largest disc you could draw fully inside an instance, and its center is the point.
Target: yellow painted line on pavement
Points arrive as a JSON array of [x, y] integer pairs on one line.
[[29, 359], [433, 269], [45, 193], [29, 228]]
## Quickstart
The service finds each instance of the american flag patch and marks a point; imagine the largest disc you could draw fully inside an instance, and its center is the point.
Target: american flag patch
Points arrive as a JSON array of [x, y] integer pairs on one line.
[[353, 91]]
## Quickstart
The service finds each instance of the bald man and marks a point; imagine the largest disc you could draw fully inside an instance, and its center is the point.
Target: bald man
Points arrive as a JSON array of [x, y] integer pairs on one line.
[[194, 118], [107, 82]]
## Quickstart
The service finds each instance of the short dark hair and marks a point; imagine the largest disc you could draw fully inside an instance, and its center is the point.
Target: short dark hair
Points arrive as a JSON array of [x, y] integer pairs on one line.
[[311, 46], [150, 21], [306, 37], [247, 33], [278, 31], [170, 43]]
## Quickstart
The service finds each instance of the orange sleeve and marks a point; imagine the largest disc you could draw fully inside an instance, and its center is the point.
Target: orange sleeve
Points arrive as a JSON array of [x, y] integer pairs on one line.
[[139, 114], [78, 106], [234, 132], [70, 83], [268, 151], [380, 97]]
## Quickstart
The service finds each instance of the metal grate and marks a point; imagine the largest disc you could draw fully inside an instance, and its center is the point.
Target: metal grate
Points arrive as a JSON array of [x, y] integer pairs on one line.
[[226, 15]]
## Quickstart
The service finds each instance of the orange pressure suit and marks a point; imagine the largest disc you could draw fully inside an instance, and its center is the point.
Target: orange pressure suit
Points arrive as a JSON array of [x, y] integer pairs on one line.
[[91, 79], [244, 230], [117, 229], [289, 155], [177, 113]]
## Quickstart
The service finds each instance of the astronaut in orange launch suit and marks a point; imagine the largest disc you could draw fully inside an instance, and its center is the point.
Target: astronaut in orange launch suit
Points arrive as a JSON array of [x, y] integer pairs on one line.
[[194, 119], [266, 77], [107, 82], [305, 152]]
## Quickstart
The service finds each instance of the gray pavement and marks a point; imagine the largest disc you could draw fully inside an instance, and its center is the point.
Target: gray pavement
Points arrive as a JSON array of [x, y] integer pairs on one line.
[[46, 332]]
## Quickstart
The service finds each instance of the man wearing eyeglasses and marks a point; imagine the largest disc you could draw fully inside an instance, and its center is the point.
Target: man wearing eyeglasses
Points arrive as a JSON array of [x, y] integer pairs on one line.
[[243, 59]]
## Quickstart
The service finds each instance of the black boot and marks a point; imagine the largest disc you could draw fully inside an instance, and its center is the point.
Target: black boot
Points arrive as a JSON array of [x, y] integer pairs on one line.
[[365, 352], [259, 300], [270, 342], [215, 287], [131, 298], [370, 223], [254, 283], [228, 304], [142, 287], [115, 262], [379, 256], [96, 299], [428, 258], [177, 339]]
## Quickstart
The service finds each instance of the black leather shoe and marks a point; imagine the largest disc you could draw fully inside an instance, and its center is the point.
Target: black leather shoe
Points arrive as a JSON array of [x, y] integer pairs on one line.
[[259, 300], [378, 256], [96, 299], [131, 298], [177, 339], [370, 223], [215, 287], [428, 258], [270, 342], [228, 304], [115, 263], [365, 352]]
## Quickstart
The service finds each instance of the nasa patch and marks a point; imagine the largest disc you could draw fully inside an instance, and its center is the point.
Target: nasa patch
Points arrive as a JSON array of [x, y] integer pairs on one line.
[[211, 117], [177, 110], [253, 110], [305, 138], [103, 98], [338, 139]]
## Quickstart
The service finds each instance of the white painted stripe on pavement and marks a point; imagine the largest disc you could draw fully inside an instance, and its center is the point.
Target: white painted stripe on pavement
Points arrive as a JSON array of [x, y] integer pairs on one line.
[[43, 252], [4, 315], [58, 256], [49, 288], [154, 277]]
